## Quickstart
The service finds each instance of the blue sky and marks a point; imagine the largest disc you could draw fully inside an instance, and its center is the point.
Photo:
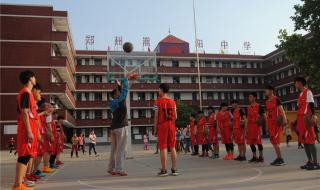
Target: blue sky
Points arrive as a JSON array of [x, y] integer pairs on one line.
[[236, 21]]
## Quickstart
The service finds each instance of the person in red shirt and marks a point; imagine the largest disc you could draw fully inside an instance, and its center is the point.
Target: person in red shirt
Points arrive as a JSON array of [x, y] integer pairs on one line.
[[202, 134], [60, 139], [255, 114], [306, 120], [274, 112], [27, 125], [238, 130], [193, 135], [164, 127], [11, 145], [224, 123], [213, 132]]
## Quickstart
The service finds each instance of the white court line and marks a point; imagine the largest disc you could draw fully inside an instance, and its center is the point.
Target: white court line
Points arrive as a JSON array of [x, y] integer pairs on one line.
[[259, 173]]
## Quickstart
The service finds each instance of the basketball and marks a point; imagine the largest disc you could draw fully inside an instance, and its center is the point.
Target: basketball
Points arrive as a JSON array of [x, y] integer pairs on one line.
[[127, 47]]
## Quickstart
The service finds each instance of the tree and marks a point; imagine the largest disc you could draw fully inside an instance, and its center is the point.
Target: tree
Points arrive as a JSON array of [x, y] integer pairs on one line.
[[184, 111], [304, 51]]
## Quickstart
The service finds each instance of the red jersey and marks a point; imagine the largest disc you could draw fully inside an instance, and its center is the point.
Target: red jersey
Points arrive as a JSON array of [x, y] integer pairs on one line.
[[236, 118], [223, 119], [166, 110], [24, 148], [201, 139], [272, 108], [193, 125]]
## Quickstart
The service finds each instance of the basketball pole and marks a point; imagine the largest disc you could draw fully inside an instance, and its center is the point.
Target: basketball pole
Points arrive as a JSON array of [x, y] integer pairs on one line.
[[129, 154], [197, 53]]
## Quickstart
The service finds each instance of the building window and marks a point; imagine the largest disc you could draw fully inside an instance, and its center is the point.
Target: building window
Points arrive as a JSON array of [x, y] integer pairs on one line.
[[97, 78], [193, 79], [142, 113], [175, 63], [98, 114], [86, 78], [98, 61], [282, 75], [176, 80], [78, 115], [78, 78], [79, 61], [176, 96], [207, 63], [192, 64], [194, 96], [86, 61], [78, 96], [289, 72], [141, 96], [209, 79], [209, 95], [86, 96], [86, 114], [98, 96]]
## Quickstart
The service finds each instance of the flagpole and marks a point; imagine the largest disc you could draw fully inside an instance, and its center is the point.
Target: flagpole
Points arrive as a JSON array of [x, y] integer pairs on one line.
[[197, 53]]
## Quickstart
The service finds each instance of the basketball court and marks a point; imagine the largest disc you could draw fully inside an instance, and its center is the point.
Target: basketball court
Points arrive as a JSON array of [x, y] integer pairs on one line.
[[196, 173]]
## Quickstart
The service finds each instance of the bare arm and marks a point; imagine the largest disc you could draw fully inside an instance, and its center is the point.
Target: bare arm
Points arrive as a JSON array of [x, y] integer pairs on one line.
[[283, 113], [26, 122], [155, 129]]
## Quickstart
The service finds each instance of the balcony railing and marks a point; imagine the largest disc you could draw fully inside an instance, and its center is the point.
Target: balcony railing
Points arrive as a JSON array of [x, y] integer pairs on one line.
[[91, 68], [59, 36], [209, 70], [94, 86], [92, 104]]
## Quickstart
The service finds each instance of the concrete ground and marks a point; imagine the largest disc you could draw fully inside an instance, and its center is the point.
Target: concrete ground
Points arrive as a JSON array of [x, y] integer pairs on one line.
[[196, 173]]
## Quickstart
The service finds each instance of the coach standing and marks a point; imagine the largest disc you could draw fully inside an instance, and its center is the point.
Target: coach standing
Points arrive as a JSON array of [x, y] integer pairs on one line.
[[119, 127]]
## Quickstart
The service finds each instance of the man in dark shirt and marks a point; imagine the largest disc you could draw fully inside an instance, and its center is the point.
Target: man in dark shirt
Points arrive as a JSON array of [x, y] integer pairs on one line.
[[119, 127]]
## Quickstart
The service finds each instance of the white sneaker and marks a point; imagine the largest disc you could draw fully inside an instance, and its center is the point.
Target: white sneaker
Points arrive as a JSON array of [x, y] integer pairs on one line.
[[29, 183]]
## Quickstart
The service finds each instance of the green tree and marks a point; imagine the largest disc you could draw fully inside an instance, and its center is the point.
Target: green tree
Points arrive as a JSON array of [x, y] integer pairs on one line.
[[304, 51], [184, 111]]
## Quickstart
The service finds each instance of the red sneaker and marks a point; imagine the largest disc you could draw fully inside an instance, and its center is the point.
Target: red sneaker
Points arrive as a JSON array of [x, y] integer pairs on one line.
[[31, 178], [36, 177], [123, 173], [59, 162]]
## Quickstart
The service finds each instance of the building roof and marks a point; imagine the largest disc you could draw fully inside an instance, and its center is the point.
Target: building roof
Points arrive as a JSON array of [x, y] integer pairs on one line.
[[173, 40]]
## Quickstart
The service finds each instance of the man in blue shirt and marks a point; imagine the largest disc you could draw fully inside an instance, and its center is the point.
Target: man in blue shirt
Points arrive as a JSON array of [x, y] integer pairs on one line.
[[119, 127]]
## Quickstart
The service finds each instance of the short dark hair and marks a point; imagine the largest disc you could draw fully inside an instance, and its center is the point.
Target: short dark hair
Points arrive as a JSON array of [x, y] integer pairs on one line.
[[270, 87], [223, 104], [193, 115], [210, 108], [301, 79], [25, 76], [37, 86], [164, 87], [60, 117], [234, 102], [254, 94]]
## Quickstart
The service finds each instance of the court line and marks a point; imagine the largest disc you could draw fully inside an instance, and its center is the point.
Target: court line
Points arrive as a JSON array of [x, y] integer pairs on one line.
[[259, 173]]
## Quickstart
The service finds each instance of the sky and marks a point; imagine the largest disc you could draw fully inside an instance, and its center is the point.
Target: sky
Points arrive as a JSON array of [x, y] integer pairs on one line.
[[235, 21]]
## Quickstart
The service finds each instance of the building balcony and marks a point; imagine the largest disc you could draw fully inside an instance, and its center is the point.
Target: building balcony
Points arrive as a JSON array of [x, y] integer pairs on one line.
[[93, 122], [142, 121], [69, 119], [92, 69], [278, 66], [58, 36], [194, 86], [141, 103], [94, 86], [63, 67], [284, 81], [92, 104], [208, 70], [62, 91]]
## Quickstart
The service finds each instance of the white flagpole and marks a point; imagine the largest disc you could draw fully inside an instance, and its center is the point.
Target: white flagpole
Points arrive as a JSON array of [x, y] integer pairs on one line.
[[198, 61]]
